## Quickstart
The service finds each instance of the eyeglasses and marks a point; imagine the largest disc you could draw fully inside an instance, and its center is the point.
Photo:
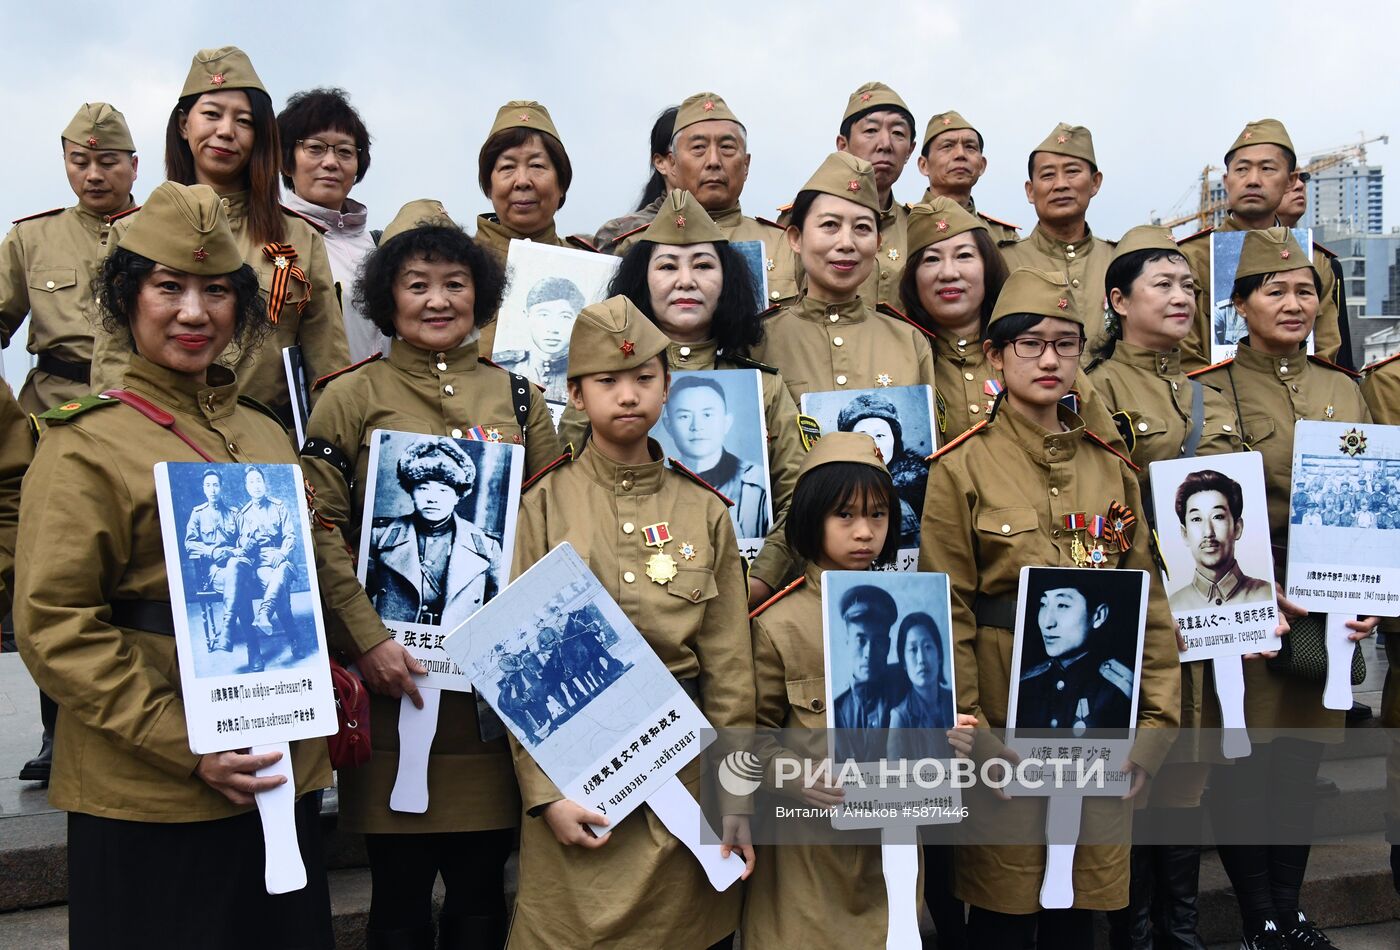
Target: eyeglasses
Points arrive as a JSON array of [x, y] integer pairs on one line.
[[1031, 348], [316, 150]]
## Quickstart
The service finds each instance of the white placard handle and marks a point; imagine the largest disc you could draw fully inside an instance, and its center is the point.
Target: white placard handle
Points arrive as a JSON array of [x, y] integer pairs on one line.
[[1336, 694], [1062, 818], [899, 860], [417, 727], [1228, 672], [681, 814], [284, 871]]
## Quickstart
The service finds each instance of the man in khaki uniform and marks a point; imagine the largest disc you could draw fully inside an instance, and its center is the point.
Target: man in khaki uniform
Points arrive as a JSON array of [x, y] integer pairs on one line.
[[48, 260], [953, 161], [1260, 169], [710, 159], [1063, 177]]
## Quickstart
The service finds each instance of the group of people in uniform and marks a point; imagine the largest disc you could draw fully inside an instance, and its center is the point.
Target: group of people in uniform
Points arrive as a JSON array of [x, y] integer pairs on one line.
[[158, 334]]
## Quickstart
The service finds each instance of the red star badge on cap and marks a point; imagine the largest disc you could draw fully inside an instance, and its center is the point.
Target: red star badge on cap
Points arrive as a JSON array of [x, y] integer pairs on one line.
[[1284, 254], [853, 185], [1062, 139], [92, 141], [865, 97], [628, 347], [1249, 135], [200, 254], [878, 454], [524, 117], [680, 220], [217, 79], [943, 225], [947, 120], [709, 105], [1062, 303]]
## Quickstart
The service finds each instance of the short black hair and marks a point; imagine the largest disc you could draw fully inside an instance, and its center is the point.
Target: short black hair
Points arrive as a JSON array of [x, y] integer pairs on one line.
[[905, 114], [802, 206], [921, 619], [1011, 326], [733, 328], [1209, 480], [320, 110], [698, 381], [1245, 286], [661, 132], [833, 486], [1121, 273], [506, 139], [1292, 159], [374, 290], [210, 471], [994, 274], [1030, 163], [118, 284]]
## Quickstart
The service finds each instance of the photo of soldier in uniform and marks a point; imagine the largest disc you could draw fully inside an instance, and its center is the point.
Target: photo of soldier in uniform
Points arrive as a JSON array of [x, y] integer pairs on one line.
[[1227, 323], [1210, 512], [1080, 635], [713, 424]]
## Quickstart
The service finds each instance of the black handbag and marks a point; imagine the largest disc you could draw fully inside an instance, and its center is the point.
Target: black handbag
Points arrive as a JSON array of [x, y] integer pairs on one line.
[[1304, 651]]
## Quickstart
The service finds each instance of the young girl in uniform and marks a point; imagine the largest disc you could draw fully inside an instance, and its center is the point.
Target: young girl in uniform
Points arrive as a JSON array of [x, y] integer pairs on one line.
[[1010, 493], [841, 517], [636, 886]]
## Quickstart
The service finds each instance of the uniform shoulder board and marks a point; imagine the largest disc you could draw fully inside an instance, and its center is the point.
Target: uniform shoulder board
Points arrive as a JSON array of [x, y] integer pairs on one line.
[[771, 224], [122, 214], [486, 361], [1327, 252], [958, 441], [321, 383], [678, 467], [1005, 224], [77, 407], [784, 209], [751, 363], [627, 234], [33, 421], [1379, 363], [890, 310], [265, 409], [1206, 369], [561, 461], [581, 242], [777, 597], [1330, 365], [1040, 668], [1100, 442], [1118, 676], [1201, 233], [320, 228], [41, 214], [762, 314]]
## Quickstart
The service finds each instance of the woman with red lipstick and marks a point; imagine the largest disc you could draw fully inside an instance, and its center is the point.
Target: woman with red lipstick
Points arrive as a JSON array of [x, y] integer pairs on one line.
[[1271, 384], [430, 288], [165, 848], [223, 133], [831, 339], [1012, 492]]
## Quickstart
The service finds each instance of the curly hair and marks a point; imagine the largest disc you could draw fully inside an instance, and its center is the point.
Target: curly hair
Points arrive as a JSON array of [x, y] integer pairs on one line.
[[118, 284], [733, 328], [374, 289]]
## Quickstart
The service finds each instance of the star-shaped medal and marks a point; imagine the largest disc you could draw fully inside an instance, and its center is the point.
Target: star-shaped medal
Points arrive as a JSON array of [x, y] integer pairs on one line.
[[628, 347], [493, 435], [894, 253], [200, 254], [884, 379], [1330, 411], [687, 551], [217, 79], [280, 262]]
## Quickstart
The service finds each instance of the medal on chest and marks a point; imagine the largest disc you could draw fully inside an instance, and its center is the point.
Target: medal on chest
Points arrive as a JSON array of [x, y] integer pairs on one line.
[[661, 567], [993, 388]]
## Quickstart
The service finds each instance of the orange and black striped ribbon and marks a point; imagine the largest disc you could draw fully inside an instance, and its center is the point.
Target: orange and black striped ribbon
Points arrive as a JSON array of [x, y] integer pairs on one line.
[[282, 276]]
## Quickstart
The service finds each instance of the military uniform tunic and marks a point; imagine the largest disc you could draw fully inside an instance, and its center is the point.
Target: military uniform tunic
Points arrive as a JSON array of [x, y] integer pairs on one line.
[[1272, 394], [801, 894], [995, 503], [643, 889], [47, 266], [882, 286], [122, 749], [610, 235], [471, 784], [317, 326], [16, 452], [1002, 233], [1084, 262]]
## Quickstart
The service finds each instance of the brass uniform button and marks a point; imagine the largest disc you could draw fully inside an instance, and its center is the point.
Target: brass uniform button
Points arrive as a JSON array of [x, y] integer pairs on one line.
[[629, 577]]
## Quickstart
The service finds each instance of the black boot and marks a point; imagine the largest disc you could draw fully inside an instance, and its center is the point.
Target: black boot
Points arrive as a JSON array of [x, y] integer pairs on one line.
[[413, 938], [1178, 885], [460, 932], [37, 769], [1131, 927]]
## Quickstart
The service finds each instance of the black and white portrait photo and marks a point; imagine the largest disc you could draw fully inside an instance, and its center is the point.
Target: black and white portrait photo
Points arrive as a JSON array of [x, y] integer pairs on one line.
[[1227, 323], [439, 523], [713, 425], [1079, 643]]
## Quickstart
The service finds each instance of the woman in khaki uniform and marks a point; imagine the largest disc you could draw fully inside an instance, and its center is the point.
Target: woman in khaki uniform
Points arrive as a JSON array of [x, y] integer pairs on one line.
[[427, 286], [637, 886], [1271, 384], [684, 277], [998, 500], [164, 847], [223, 133], [1162, 415], [831, 339]]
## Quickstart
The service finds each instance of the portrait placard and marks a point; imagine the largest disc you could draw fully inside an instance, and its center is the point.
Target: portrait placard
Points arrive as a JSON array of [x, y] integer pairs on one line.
[[437, 538], [243, 595], [1075, 671], [1226, 323], [1344, 514], [900, 419], [755, 255], [713, 424], [546, 288], [889, 676], [553, 645], [1212, 524]]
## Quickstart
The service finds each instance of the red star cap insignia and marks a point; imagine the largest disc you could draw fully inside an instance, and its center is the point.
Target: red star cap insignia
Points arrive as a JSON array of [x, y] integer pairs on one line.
[[1062, 139], [200, 254], [709, 105], [878, 454], [680, 220], [1249, 135], [524, 117], [1284, 254], [1062, 303], [628, 347], [853, 185], [865, 97], [217, 79], [92, 141], [947, 120], [943, 225]]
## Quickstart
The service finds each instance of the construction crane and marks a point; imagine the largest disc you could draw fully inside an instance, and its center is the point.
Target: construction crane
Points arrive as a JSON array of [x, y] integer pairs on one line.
[[1327, 158]]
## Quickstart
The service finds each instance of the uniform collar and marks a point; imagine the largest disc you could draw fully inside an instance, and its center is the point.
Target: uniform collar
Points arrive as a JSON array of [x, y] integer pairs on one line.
[[493, 233], [1231, 223], [97, 223], [1048, 447], [890, 217], [1048, 245], [459, 359], [1165, 365], [692, 355], [728, 219], [810, 308], [213, 398], [1222, 589], [1287, 368], [235, 205], [351, 221], [964, 349], [969, 205], [620, 479]]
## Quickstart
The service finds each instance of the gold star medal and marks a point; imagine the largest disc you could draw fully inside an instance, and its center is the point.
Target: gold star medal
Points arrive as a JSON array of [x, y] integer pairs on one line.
[[661, 568], [280, 262]]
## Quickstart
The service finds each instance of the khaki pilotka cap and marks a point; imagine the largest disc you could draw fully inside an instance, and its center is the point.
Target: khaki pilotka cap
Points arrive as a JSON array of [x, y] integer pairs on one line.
[[1146, 237], [938, 220], [1264, 132], [874, 96], [682, 220], [524, 114], [1072, 140], [703, 107], [842, 447], [949, 121], [227, 67], [612, 336], [423, 212], [184, 227], [99, 125], [845, 176], [1038, 293], [1271, 251]]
